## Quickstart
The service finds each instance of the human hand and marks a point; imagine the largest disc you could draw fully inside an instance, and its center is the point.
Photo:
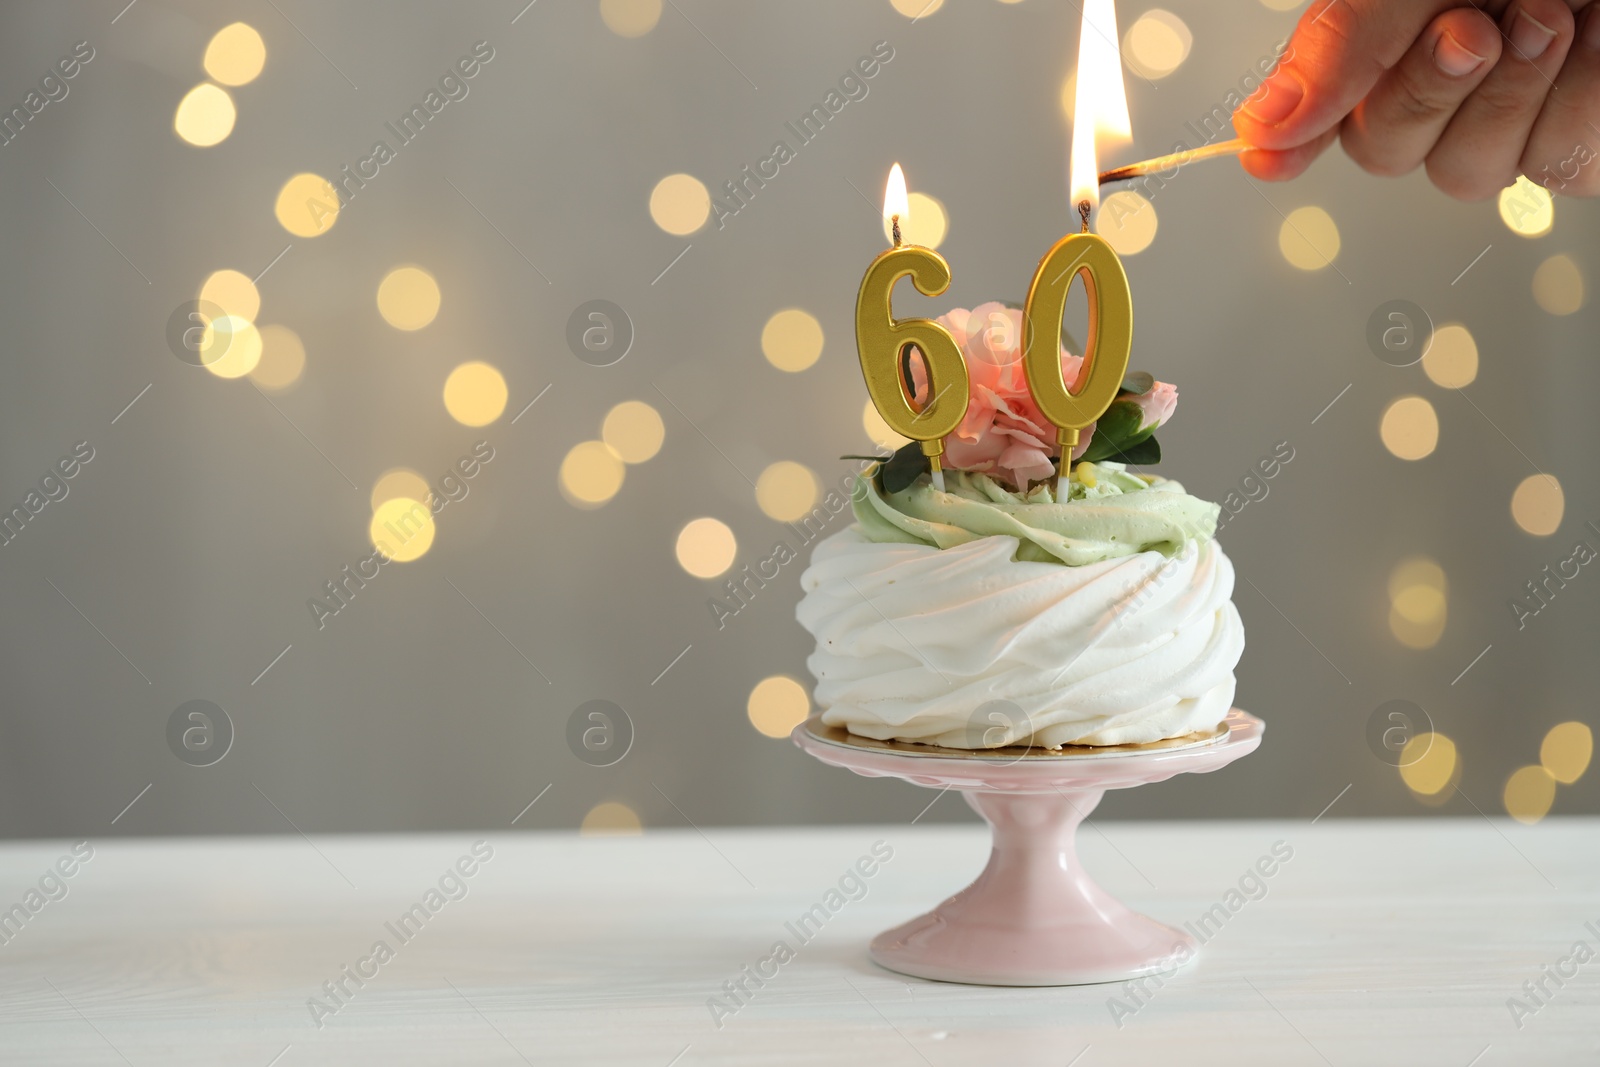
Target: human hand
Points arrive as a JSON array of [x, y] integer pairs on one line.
[[1406, 82]]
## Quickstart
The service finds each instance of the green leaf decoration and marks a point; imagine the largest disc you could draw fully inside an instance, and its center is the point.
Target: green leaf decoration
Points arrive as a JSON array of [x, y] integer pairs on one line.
[[1138, 382], [903, 468], [1118, 433], [1146, 453]]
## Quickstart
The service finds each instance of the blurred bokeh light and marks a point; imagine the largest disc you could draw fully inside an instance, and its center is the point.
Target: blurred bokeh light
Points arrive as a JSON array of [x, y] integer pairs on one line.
[[792, 340], [205, 115], [235, 55], [777, 705], [1429, 765], [475, 394], [1558, 285], [1410, 428], [1566, 751], [680, 204], [402, 527], [1156, 44], [307, 205], [591, 474], [1452, 360], [1538, 504], [1527, 209], [283, 358], [1309, 238], [611, 819], [408, 298], [786, 491], [706, 547], [634, 431]]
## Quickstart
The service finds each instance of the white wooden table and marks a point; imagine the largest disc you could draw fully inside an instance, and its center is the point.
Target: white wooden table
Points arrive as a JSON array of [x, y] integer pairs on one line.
[[1376, 943]]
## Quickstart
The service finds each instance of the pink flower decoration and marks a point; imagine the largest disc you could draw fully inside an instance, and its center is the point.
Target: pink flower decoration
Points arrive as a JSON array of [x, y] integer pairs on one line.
[[1156, 406], [1003, 433]]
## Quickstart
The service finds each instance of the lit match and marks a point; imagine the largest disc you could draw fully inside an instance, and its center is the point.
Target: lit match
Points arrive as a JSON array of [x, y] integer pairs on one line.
[[1175, 160]]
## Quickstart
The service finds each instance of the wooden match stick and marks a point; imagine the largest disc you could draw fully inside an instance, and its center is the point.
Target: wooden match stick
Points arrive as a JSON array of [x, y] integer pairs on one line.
[[1176, 159]]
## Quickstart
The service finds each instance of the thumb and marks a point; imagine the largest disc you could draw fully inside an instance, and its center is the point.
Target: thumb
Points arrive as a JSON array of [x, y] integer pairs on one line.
[[1337, 53]]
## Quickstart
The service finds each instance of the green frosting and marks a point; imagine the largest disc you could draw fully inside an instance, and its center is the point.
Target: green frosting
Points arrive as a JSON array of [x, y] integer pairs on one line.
[[1108, 513]]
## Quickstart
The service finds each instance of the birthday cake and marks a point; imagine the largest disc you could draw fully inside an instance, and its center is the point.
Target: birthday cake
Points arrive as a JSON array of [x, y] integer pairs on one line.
[[1012, 608]]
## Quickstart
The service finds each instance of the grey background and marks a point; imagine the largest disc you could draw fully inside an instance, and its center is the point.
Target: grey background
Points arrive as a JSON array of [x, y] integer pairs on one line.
[[207, 518]]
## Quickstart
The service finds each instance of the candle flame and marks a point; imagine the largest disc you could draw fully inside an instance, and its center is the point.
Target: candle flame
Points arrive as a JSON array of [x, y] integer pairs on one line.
[[1100, 109], [895, 201]]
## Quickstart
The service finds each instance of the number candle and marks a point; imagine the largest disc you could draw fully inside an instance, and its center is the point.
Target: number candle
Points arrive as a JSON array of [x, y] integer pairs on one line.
[[1106, 351], [885, 343], [1101, 107]]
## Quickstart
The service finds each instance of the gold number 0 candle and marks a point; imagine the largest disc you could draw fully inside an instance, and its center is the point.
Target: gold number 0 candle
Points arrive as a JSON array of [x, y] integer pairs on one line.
[[883, 343], [1110, 340]]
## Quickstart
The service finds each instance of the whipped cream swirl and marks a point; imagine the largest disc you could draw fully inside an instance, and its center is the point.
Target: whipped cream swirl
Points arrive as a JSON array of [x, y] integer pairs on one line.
[[913, 641]]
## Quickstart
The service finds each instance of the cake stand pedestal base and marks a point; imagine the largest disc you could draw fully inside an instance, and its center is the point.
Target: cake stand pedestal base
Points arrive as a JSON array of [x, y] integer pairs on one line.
[[1034, 917]]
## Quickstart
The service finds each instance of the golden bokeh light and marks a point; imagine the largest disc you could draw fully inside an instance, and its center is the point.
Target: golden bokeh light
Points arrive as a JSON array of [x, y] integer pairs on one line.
[[307, 205], [634, 431], [1156, 44], [233, 292], [408, 298], [1527, 209], [680, 204], [916, 9], [786, 490], [1418, 602], [591, 474], [878, 431], [792, 340], [1421, 604], [1558, 285], [706, 548], [1417, 618], [611, 819], [927, 224], [1309, 238], [1452, 360], [205, 115], [1538, 504], [1566, 751], [475, 394], [283, 359], [1415, 571], [1428, 764], [777, 705], [630, 18], [402, 528], [1529, 793], [1410, 428], [1127, 221], [399, 482], [230, 347], [1282, 5], [236, 54]]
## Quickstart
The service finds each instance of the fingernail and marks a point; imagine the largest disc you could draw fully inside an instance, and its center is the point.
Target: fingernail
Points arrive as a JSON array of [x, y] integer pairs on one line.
[[1529, 36], [1276, 100], [1454, 58]]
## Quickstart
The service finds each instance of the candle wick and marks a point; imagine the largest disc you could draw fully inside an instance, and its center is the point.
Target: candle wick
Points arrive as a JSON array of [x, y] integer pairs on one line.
[[894, 223], [1084, 207]]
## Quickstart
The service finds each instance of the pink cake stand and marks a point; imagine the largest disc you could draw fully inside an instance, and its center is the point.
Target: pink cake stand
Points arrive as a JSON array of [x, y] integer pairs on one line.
[[1033, 917]]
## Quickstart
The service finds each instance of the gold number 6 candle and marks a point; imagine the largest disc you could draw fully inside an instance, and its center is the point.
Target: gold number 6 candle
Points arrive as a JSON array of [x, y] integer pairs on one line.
[[1110, 340], [883, 342]]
